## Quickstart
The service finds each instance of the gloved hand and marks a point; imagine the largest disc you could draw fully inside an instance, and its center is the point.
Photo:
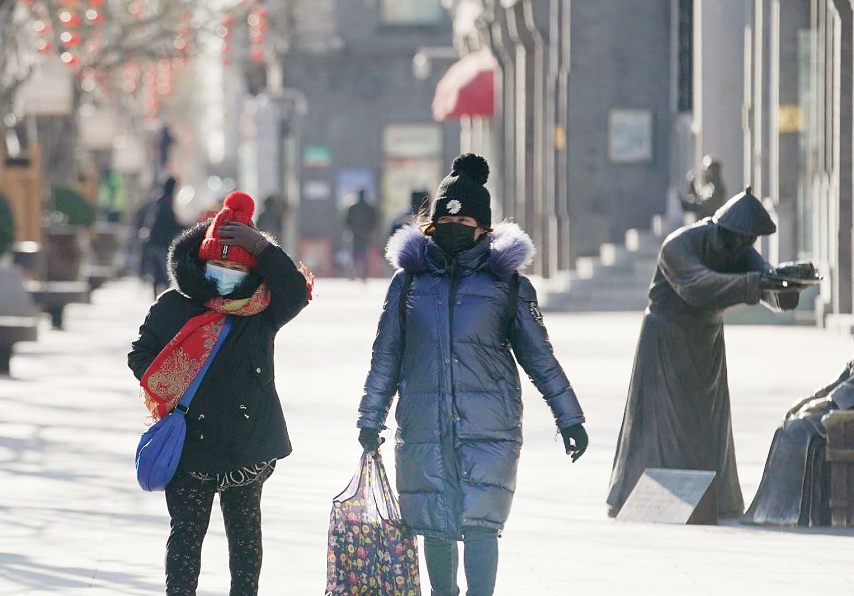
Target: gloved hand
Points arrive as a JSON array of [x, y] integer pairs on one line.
[[575, 433], [370, 439], [767, 282], [233, 233]]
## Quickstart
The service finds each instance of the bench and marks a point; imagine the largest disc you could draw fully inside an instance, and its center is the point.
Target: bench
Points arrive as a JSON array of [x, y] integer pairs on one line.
[[840, 455], [12, 331], [53, 296]]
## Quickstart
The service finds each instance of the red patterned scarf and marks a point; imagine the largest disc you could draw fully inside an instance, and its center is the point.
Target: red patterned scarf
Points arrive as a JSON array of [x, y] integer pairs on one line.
[[174, 369]]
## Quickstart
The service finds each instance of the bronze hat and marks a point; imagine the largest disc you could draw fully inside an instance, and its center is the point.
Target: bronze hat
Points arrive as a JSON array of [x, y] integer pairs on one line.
[[745, 214]]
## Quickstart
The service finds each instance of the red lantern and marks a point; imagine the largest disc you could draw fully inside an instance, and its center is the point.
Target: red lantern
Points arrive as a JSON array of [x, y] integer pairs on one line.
[[94, 17], [71, 40], [69, 59], [69, 19]]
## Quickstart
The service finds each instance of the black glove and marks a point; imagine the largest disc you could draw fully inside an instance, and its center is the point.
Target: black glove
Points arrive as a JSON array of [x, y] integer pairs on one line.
[[577, 433], [233, 233], [768, 283], [370, 439]]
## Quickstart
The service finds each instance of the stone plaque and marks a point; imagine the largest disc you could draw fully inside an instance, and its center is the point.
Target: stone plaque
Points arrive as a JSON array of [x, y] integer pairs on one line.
[[673, 497]]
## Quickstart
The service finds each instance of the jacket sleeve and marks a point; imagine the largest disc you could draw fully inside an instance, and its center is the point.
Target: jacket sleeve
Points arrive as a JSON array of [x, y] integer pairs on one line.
[[699, 285], [841, 391], [288, 290], [384, 376], [533, 350], [150, 341]]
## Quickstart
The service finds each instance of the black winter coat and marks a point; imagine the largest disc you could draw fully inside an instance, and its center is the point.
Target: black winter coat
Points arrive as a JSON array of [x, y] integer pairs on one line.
[[235, 419], [459, 415]]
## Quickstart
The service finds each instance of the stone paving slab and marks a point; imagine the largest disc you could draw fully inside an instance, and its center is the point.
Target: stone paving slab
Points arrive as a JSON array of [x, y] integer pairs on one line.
[[73, 521]]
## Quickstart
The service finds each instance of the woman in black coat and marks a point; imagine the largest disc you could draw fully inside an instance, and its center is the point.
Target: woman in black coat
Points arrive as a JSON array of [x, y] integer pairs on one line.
[[454, 310], [235, 427]]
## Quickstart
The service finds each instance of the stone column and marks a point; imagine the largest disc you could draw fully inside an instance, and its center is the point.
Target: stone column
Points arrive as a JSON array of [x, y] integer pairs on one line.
[[506, 54], [793, 17], [564, 262], [842, 284]]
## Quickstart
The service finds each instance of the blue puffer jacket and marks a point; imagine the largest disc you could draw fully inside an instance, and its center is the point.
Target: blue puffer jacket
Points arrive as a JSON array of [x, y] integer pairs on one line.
[[459, 414]]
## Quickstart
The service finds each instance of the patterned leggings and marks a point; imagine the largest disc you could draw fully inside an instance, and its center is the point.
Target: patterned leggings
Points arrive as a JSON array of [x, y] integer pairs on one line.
[[190, 502]]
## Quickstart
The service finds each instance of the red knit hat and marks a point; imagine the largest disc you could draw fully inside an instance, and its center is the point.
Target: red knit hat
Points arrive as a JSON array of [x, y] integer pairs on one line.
[[238, 207]]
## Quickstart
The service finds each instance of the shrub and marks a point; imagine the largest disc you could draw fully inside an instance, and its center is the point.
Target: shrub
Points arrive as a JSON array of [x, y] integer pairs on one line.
[[69, 202], [7, 225]]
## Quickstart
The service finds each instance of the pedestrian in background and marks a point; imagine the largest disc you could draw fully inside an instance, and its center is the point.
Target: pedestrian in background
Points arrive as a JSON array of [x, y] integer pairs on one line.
[[112, 196], [362, 219], [453, 312], [235, 427], [272, 216], [417, 201], [163, 227]]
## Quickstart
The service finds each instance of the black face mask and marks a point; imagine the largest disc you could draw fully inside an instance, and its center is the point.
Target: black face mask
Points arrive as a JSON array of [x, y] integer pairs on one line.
[[454, 238]]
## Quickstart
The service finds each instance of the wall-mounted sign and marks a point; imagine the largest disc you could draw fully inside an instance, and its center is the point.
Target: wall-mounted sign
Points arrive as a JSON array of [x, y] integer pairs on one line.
[[316, 156], [98, 127], [789, 118], [350, 181], [48, 92], [630, 136], [316, 190]]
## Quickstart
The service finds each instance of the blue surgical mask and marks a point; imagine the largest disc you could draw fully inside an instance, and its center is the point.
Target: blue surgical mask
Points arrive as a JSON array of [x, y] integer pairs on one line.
[[227, 280]]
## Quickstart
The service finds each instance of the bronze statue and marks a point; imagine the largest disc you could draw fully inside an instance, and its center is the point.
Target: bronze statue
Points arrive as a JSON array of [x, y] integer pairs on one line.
[[705, 198], [678, 409], [795, 484]]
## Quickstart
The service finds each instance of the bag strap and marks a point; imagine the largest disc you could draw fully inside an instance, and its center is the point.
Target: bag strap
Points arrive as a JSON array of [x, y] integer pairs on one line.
[[190, 393], [512, 303], [404, 294]]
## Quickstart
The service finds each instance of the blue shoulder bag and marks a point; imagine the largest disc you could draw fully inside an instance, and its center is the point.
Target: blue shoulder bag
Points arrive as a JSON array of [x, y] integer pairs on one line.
[[160, 447]]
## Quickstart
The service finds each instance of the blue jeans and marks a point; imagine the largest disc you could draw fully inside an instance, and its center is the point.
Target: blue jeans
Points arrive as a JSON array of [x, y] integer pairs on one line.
[[480, 555]]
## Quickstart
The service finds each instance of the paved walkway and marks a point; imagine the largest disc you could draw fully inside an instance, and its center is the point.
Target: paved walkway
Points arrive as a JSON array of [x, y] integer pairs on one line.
[[72, 520]]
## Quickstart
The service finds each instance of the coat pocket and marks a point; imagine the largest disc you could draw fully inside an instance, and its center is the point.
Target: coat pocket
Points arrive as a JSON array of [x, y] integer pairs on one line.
[[512, 396], [200, 428], [261, 369]]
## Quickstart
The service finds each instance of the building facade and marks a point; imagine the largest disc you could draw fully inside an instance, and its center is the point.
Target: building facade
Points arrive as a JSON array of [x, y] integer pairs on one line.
[[367, 123], [586, 114], [799, 136]]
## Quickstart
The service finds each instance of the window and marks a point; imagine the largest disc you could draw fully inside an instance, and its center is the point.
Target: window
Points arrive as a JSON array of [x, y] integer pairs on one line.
[[411, 12], [412, 161]]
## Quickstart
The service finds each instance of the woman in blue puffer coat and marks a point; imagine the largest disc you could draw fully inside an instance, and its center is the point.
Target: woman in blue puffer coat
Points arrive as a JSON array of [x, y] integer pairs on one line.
[[454, 310]]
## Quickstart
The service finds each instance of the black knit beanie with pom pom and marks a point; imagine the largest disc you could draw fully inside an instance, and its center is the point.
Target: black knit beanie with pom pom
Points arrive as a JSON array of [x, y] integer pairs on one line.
[[462, 193]]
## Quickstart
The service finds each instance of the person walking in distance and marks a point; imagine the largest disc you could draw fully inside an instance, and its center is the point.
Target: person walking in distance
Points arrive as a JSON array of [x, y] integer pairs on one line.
[[362, 220], [222, 268], [455, 314], [163, 228]]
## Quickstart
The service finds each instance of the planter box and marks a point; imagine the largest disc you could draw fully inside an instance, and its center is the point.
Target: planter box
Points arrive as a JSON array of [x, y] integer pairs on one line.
[[66, 250]]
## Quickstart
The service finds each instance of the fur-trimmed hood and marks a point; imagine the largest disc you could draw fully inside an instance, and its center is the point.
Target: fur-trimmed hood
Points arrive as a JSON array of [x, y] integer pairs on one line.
[[187, 271], [510, 249]]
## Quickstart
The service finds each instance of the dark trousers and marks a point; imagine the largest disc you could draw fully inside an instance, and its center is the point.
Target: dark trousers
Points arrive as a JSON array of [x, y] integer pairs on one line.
[[480, 554], [190, 502]]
